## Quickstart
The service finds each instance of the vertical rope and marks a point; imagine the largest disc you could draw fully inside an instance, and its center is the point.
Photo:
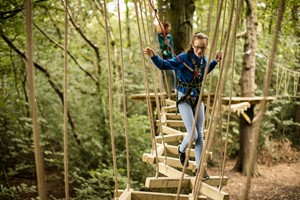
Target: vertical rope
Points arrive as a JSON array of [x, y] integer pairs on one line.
[[38, 154], [124, 100], [150, 113], [218, 98], [229, 105], [259, 117], [157, 102], [111, 103], [210, 133], [277, 81], [66, 154]]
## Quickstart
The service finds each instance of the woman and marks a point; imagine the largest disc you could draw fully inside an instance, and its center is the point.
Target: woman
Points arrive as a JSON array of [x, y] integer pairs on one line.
[[169, 77], [189, 89]]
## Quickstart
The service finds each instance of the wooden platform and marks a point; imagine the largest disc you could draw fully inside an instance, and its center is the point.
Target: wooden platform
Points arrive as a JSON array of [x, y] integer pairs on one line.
[[251, 100], [138, 195]]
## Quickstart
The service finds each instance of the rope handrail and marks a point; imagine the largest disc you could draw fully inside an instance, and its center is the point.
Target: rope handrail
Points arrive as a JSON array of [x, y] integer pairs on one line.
[[156, 97], [65, 137], [110, 102], [124, 100], [145, 78]]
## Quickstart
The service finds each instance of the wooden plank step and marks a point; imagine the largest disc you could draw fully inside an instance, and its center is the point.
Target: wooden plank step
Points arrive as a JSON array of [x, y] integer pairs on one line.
[[171, 123], [141, 195], [173, 162], [166, 182], [170, 171], [170, 138], [213, 192], [175, 116], [171, 108], [174, 150], [168, 130], [170, 102], [171, 182]]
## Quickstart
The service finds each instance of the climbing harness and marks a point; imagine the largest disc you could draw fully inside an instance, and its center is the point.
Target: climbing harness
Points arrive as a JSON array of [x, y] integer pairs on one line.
[[195, 84]]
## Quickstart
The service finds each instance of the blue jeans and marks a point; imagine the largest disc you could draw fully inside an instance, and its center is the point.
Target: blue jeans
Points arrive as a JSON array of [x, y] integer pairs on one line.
[[188, 116]]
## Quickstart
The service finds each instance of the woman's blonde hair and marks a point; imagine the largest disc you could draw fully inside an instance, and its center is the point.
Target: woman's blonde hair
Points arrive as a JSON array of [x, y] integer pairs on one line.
[[197, 35]]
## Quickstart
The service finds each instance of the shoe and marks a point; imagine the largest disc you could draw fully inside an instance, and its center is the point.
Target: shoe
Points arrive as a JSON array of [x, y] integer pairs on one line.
[[205, 175], [182, 157]]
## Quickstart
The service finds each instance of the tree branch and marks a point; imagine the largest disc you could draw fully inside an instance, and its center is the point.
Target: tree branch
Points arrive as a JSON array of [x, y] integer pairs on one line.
[[62, 47], [56, 87]]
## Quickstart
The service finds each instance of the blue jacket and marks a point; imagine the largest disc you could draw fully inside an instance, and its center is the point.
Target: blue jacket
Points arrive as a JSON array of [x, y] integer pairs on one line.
[[183, 73]]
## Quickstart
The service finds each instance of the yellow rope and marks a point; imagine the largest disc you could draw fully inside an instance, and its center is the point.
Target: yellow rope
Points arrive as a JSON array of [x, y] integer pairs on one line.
[[38, 155]]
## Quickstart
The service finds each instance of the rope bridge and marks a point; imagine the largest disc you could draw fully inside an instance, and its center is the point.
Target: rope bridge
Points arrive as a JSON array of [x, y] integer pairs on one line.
[[168, 124]]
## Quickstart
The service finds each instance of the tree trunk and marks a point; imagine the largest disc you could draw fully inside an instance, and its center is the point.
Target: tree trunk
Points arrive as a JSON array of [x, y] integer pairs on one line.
[[180, 14], [248, 88]]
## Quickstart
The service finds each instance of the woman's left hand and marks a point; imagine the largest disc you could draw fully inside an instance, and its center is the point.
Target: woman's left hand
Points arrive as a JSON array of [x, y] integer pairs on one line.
[[219, 56]]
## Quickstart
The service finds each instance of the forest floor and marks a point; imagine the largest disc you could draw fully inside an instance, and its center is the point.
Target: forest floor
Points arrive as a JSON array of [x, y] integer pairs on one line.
[[278, 180]]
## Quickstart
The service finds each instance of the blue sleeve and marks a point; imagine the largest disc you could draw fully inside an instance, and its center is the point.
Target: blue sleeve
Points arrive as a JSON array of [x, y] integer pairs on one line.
[[172, 64], [212, 65]]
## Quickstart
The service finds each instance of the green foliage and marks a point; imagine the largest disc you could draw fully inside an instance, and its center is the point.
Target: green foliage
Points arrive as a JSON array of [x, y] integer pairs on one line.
[[89, 138], [279, 123], [20, 191]]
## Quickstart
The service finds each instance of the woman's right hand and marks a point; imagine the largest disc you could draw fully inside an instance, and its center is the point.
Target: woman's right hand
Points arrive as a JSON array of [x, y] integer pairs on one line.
[[149, 51]]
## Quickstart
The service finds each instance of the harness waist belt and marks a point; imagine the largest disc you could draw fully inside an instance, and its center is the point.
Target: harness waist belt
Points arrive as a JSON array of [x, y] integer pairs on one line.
[[190, 85]]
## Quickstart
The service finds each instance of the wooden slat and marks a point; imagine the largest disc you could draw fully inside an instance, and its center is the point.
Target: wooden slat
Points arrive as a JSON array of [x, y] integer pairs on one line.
[[174, 150], [170, 138], [172, 108], [171, 182], [169, 130], [173, 162], [212, 192], [170, 102], [171, 123], [216, 181], [126, 195], [136, 195], [238, 107], [251, 100], [175, 116], [169, 171], [166, 182]]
